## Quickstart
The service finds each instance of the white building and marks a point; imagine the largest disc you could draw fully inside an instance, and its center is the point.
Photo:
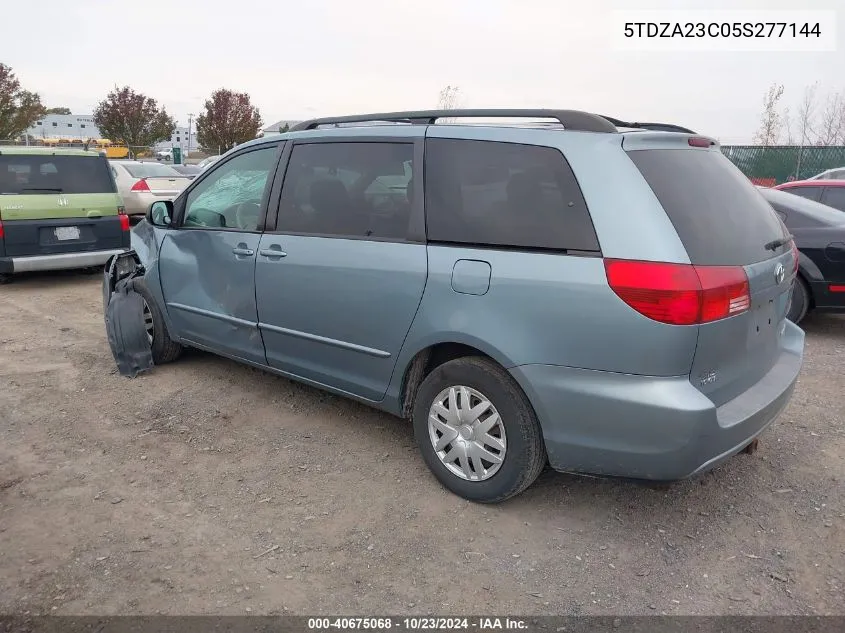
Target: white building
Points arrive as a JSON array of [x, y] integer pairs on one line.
[[69, 126], [180, 138]]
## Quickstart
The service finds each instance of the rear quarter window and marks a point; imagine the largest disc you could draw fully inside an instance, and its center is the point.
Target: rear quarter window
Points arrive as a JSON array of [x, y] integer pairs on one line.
[[44, 174], [495, 194], [720, 217]]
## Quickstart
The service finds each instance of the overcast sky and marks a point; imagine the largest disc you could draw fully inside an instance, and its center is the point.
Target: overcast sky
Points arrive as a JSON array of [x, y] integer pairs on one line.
[[324, 57]]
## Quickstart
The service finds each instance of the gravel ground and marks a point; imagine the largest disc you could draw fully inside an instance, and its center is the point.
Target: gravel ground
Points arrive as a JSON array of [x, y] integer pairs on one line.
[[205, 487]]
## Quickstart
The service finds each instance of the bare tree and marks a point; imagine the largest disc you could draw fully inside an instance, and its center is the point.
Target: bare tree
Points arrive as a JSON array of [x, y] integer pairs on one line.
[[788, 123], [449, 99], [805, 122], [771, 123], [807, 115], [832, 120]]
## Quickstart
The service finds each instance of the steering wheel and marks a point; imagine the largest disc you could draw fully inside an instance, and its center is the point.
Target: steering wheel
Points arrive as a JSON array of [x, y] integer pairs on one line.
[[246, 215]]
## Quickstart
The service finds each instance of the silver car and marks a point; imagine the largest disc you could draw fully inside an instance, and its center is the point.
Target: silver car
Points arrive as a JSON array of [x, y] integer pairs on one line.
[[140, 184], [605, 301]]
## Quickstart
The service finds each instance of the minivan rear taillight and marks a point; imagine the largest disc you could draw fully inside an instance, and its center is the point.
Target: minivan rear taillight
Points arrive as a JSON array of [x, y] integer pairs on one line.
[[679, 294], [141, 185], [1, 229], [124, 222]]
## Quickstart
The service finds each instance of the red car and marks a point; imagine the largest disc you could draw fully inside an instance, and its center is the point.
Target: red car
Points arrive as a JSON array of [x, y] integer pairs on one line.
[[829, 192]]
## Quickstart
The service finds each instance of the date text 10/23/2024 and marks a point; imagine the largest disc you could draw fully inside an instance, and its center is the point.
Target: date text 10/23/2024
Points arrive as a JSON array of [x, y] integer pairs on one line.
[[417, 624]]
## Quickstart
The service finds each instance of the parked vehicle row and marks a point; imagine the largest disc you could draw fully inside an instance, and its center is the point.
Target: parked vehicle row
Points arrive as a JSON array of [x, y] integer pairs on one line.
[[819, 233], [142, 183], [513, 306]]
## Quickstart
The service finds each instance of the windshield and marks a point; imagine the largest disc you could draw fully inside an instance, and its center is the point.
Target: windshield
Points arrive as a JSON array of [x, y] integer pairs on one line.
[[151, 170], [35, 174]]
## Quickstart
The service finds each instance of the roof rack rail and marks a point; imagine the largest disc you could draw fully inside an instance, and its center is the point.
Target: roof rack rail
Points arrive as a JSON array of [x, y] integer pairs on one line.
[[569, 119], [657, 127]]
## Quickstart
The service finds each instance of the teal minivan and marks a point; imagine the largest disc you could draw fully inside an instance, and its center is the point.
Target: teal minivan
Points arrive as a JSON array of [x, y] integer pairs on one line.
[[59, 209]]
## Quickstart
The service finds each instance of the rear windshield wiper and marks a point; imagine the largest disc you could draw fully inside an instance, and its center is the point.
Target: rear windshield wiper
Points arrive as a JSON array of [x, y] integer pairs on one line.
[[57, 190], [776, 244]]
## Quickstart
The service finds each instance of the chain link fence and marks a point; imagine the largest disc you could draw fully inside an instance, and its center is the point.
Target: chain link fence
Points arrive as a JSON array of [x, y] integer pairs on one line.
[[776, 164]]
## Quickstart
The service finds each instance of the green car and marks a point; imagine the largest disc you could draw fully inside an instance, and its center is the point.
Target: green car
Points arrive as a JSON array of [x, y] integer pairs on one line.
[[59, 209]]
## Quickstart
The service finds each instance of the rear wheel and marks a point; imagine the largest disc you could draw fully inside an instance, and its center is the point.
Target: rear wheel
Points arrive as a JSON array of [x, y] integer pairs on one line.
[[165, 350], [477, 431], [800, 304]]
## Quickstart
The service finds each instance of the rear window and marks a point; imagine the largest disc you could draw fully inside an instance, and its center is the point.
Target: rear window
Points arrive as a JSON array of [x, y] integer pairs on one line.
[[151, 170], [37, 175], [720, 217], [489, 193]]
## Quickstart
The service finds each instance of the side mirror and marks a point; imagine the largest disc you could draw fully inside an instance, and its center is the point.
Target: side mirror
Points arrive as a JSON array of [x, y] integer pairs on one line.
[[160, 214]]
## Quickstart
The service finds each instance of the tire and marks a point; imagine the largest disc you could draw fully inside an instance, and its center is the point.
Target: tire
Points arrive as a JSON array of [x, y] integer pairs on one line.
[[5, 279], [165, 350], [800, 305], [524, 450]]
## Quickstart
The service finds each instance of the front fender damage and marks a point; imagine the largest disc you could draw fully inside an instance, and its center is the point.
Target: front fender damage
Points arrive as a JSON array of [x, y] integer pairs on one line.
[[123, 311]]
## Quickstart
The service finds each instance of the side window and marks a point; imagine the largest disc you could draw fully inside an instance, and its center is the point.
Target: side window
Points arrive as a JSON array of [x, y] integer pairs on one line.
[[348, 190], [834, 197], [503, 194], [230, 197], [811, 193]]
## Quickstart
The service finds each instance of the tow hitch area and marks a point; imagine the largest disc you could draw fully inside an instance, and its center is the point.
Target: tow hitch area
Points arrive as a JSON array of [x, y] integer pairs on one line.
[[124, 316], [752, 447]]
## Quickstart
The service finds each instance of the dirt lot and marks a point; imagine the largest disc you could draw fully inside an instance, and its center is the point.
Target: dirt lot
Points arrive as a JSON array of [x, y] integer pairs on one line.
[[208, 487]]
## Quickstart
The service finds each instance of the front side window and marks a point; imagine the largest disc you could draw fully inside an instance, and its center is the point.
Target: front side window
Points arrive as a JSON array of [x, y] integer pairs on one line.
[[230, 198], [358, 190]]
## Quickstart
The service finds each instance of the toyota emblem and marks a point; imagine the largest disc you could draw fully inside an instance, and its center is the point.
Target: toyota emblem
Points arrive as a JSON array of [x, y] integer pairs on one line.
[[780, 273]]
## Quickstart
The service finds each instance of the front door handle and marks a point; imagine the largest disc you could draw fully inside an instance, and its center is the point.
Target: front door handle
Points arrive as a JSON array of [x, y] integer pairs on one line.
[[272, 253], [245, 252]]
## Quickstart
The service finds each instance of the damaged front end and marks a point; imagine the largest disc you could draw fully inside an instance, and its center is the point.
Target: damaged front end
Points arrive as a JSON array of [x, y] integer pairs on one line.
[[123, 311]]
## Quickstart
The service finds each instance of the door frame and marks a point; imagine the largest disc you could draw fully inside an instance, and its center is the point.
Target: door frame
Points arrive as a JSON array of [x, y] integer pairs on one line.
[[416, 223]]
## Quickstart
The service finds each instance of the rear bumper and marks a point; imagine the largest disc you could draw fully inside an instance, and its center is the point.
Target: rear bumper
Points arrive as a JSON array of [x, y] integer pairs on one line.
[[57, 262], [824, 299], [645, 427]]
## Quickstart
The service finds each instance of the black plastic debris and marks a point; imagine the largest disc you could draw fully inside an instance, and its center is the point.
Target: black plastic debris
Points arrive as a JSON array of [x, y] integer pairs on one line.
[[128, 339]]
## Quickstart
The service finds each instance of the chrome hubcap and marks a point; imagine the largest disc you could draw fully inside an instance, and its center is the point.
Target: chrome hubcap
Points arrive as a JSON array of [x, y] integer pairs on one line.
[[148, 322], [467, 433]]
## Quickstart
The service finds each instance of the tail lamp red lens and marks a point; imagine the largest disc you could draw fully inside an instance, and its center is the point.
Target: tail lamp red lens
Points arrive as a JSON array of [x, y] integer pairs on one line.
[[1, 230], [141, 185], [124, 222], [680, 294]]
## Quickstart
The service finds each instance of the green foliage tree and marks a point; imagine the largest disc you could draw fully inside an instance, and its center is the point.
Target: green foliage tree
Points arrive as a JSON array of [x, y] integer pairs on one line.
[[129, 117], [229, 119], [19, 108], [58, 111]]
